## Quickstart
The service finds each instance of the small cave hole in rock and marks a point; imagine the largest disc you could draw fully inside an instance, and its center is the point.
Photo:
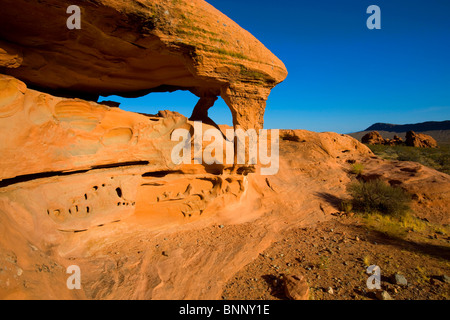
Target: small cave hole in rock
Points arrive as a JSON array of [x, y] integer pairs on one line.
[[119, 192], [160, 174]]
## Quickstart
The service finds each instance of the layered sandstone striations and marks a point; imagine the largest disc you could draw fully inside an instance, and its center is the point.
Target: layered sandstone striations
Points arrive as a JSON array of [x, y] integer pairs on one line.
[[131, 48], [71, 167], [46, 138]]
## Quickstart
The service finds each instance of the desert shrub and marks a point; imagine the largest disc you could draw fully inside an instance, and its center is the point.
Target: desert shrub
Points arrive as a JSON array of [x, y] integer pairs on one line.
[[436, 158], [346, 206], [290, 137], [357, 168], [376, 196], [401, 226], [411, 154]]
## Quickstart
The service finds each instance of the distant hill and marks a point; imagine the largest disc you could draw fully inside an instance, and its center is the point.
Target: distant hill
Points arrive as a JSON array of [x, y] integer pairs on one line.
[[417, 127], [439, 130]]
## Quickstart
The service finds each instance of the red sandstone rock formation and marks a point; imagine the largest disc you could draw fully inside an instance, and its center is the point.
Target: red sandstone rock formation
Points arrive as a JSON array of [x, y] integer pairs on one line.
[[413, 139], [85, 184], [373, 138], [420, 140], [131, 48], [88, 185], [394, 141]]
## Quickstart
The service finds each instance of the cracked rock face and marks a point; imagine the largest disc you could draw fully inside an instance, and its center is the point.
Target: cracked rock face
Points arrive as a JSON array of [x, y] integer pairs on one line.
[[131, 48]]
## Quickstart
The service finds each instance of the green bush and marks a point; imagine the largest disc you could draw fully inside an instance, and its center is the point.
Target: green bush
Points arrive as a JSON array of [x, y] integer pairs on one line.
[[357, 168], [378, 197], [346, 206], [436, 158]]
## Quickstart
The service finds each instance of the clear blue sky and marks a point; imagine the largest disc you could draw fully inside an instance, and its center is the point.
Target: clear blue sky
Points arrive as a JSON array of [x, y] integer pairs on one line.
[[343, 77]]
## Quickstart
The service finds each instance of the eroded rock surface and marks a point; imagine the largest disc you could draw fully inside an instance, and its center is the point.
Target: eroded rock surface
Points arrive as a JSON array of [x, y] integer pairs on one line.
[[131, 48], [420, 140], [71, 167], [63, 141], [88, 185]]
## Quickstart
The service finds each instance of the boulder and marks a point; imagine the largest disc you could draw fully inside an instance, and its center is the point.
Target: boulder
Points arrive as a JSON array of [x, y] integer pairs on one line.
[[132, 48], [383, 295], [296, 287], [399, 279], [394, 142], [373, 137], [420, 140]]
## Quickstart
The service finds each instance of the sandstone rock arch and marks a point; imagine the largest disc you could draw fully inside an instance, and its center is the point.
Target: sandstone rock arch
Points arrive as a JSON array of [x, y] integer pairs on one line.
[[136, 47]]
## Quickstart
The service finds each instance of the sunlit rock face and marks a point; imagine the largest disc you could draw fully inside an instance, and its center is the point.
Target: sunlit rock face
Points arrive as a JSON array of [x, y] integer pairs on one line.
[[131, 48], [94, 164], [94, 186], [77, 176], [89, 185]]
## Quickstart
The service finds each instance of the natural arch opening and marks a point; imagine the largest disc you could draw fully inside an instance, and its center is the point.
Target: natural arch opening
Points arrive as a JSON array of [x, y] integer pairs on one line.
[[220, 113], [180, 101], [184, 102]]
